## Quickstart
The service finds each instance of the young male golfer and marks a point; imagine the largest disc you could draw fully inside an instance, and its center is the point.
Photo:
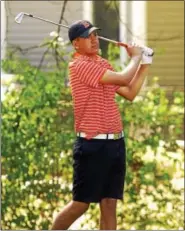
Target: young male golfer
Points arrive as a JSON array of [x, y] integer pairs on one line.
[[99, 151]]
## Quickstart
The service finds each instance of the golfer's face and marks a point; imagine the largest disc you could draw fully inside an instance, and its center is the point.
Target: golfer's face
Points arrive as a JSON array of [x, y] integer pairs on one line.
[[88, 45]]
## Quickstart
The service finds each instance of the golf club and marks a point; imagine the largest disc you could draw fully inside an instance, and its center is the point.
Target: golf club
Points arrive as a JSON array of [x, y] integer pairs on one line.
[[18, 19]]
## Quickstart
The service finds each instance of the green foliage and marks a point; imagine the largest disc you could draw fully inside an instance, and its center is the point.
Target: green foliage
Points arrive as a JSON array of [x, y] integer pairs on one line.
[[37, 141], [154, 185]]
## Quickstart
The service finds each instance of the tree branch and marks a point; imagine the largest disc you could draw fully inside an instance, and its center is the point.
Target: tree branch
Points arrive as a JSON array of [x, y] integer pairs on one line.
[[58, 30], [62, 14], [43, 57]]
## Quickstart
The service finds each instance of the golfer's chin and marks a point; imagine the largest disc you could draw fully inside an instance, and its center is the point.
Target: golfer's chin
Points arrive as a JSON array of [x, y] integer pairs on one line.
[[94, 51]]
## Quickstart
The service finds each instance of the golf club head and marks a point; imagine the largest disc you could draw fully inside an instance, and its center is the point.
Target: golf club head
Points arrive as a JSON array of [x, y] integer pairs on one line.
[[19, 17]]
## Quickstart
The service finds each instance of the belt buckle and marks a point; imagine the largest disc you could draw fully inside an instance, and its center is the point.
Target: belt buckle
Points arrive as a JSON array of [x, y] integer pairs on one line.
[[116, 136]]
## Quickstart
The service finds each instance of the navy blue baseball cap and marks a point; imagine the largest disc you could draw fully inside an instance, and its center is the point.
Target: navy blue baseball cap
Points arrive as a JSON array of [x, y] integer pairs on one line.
[[81, 28]]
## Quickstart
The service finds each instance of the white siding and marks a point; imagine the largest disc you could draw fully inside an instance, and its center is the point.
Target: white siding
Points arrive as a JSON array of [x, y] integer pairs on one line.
[[32, 31], [165, 25]]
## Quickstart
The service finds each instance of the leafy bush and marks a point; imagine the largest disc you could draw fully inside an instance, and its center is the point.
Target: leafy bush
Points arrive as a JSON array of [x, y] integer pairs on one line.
[[37, 141]]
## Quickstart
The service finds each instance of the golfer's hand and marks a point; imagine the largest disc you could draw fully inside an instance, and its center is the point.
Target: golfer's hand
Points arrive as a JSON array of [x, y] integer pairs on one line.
[[134, 50]]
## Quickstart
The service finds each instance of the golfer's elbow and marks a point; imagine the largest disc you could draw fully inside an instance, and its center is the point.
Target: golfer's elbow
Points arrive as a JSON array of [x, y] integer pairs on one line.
[[130, 97], [131, 94], [128, 92]]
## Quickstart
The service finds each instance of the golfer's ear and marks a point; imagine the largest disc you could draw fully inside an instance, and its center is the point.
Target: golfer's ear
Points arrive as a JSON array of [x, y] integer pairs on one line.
[[74, 42]]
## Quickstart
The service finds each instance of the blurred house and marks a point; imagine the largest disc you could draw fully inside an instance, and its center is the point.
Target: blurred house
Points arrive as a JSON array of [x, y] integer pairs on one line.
[[159, 24], [165, 32]]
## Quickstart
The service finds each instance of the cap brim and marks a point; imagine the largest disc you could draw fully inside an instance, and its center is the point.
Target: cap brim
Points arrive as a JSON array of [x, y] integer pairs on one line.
[[88, 32]]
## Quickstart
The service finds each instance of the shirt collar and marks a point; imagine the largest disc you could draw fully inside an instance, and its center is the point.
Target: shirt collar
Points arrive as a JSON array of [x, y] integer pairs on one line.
[[77, 55]]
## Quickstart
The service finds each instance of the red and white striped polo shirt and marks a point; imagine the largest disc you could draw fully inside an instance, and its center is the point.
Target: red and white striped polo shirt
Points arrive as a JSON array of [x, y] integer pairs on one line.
[[95, 109]]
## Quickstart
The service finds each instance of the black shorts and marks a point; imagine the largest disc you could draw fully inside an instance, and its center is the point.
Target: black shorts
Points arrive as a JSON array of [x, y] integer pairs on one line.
[[99, 169]]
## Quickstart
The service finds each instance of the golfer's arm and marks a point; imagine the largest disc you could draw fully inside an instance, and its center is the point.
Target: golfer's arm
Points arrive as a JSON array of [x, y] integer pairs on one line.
[[124, 77], [129, 92]]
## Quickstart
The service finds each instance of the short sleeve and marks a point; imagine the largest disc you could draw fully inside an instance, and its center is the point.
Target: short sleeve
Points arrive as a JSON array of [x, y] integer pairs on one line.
[[89, 72], [116, 87]]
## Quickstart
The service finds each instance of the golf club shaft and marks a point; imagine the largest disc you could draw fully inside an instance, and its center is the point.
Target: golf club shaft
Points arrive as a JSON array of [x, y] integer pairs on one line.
[[46, 20], [113, 41], [100, 37], [19, 17]]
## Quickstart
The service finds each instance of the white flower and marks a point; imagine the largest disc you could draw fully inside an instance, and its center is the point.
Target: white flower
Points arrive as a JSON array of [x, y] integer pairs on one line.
[[62, 44], [178, 184], [62, 154], [60, 39], [53, 34], [152, 206]]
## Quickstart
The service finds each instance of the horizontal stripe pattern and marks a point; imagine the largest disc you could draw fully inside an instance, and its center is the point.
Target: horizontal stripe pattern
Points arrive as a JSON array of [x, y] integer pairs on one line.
[[95, 109]]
